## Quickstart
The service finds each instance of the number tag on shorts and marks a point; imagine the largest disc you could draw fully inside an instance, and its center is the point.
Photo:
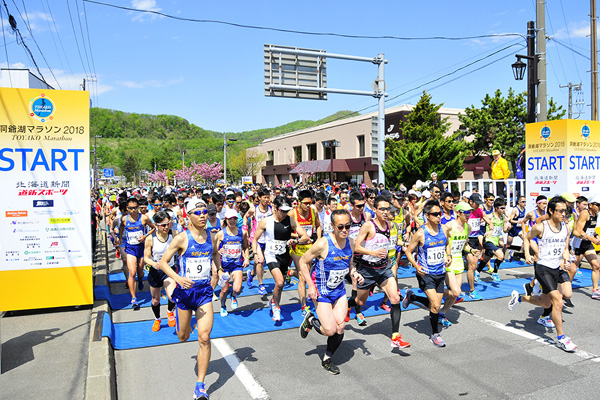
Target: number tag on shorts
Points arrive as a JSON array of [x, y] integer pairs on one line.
[[435, 255], [198, 268], [134, 237], [336, 277], [277, 247], [233, 251]]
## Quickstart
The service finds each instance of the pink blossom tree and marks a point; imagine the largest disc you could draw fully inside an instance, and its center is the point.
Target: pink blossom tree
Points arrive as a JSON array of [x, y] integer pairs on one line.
[[159, 177], [185, 175], [207, 173]]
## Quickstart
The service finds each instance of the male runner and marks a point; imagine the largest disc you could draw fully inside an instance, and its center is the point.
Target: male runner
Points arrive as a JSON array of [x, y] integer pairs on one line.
[[493, 242], [233, 244], [258, 213], [516, 219], [334, 260], [434, 254], [372, 247], [277, 230], [190, 290], [134, 224], [586, 238], [447, 203], [155, 246], [474, 222], [551, 267]]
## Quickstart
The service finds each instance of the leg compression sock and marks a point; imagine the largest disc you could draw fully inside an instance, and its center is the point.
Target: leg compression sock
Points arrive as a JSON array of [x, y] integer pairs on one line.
[[497, 264], [156, 310], [396, 313], [547, 311], [333, 342], [434, 319], [170, 306]]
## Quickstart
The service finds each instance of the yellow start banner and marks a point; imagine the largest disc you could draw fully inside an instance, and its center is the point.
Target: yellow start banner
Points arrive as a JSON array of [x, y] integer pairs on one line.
[[45, 226]]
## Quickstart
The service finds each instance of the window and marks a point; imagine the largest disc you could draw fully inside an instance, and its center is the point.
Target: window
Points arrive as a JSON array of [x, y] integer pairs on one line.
[[270, 155], [361, 145], [312, 151], [328, 153], [298, 153]]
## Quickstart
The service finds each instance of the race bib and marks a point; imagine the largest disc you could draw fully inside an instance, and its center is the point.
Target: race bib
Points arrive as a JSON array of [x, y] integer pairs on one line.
[[376, 247], [435, 255], [474, 223], [308, 229], [134, 237], [393, 241], [497, 231], [457, 247], [198, 268], [277, 247], [591, 232], [354, 232], [336, 277], [232, 251], [327, 228]]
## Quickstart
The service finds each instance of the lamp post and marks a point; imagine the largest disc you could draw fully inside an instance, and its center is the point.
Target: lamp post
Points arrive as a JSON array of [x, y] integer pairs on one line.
[[225, 157], [532, 78], [330, 144], [95, 158]]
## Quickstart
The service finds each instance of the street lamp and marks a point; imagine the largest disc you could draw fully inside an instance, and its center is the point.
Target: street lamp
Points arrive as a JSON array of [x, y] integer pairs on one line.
[[225, 157], [95, 159], [330, 144], [532, 79]]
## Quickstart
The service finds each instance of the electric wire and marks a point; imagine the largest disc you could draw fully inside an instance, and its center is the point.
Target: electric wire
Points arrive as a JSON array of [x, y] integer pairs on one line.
[[87, 28], [59, 39], [60, 58], [557, 52], [569, 37], [570, 48], [6, 49], [87, 59], [496, 35], [75, 37]]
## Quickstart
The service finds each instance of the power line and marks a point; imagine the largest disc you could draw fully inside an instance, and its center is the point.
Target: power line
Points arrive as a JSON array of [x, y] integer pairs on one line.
[[75, 37], [53, 39], [569, 48], [83, 38], [87, 28], [306, 32], [58, 36], [557, 52], [5, 48], [569, 36]]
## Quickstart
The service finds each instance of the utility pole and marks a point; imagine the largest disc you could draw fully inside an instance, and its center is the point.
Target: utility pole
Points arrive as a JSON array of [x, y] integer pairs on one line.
[[531, 72], [571, 87], [225, 158], [541, 64], [594, 54]]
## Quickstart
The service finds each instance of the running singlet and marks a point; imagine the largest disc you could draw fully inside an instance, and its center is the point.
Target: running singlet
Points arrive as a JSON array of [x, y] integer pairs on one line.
[[134, 230], [447, 218], [496, 229], [458, 240], [381, 240], [330, 272], [196, 261], [474, 222], [232, 246], [159, 247], [393, 240], [258, 216], [310, 226], [516, 229], [276, 236], [431, 254], [325, 219], [552, 245], [483, 223], [355, 226], [590, 229]]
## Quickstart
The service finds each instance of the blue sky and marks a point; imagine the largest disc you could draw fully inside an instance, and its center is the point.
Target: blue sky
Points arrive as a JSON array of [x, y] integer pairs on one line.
[[212, 74]]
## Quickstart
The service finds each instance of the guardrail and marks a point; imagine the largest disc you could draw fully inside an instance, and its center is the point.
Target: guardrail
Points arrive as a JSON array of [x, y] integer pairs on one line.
[[513, 188]]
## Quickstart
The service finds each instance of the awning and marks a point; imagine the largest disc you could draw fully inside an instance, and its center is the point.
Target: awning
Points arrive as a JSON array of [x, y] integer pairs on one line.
[[319, 166]]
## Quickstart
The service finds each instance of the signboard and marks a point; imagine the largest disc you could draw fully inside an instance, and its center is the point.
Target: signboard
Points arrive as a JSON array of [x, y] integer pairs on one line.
[[294, 70], [109, 172], [45, 235], [247, 180], [562, 156]]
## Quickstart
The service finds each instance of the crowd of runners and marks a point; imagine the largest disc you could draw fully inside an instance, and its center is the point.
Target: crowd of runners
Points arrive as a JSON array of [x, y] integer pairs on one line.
[[191, 240]]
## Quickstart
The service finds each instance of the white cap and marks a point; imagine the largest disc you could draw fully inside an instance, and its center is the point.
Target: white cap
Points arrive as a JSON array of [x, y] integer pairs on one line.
[[231, 213], [467, 194], [193, 204], [426, 194], [250, 193], [593, 198]]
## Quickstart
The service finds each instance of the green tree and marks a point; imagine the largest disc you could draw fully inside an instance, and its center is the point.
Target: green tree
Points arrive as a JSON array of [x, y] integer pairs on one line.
[[131, 166], [424, 148], [500, 124]]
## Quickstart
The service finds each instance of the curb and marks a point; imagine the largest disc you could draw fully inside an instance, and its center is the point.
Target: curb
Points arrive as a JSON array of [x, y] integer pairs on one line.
[[101, 381]]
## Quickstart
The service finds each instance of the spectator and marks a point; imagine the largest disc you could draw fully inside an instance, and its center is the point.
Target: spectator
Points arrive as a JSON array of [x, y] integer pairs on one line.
[[500, 172], [520, 170]]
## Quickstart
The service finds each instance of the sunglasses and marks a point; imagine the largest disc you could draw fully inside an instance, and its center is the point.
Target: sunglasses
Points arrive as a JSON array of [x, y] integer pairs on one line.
[[157, 204], [199, 212], [501, 208], [306, 202], [344, 227], [384, 209], [435, 214], [231, 201], [359, 205], [455, 201], [163, 224], [131, 208]]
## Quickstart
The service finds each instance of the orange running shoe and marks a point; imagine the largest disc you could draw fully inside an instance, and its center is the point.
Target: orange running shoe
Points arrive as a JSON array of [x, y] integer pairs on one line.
[[398, 342], [348, 316], [171, 318], [156, 326]]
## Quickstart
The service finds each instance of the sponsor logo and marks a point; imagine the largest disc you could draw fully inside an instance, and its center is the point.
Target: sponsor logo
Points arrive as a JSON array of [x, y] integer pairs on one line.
[[12, 214], [41, 108], [43, 212], [53, 244], [545, 132], [545, 189], [585, 132], [585, 189], [71, 212], [60, 220], [29, 252], [43, 203]]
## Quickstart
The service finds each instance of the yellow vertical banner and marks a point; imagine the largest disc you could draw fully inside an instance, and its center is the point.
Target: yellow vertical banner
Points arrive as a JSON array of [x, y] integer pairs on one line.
[[45, 225]]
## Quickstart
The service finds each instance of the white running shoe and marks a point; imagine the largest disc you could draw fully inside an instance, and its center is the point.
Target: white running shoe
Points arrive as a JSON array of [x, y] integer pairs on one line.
[[596, 294], [566, 344], [546, 321], [514, 300], [537, 289], [276, 314]]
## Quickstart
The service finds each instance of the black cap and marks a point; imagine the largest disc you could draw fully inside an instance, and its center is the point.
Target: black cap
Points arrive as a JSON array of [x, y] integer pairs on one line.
[[212, 209], [476, 197]]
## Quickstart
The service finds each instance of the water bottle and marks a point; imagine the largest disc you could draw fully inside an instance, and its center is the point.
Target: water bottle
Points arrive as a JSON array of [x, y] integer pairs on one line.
[[223, 279]]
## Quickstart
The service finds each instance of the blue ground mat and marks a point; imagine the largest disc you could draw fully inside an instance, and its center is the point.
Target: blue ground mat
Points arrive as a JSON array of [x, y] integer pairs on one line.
[[119, 277], [131, 335], [409, 272]]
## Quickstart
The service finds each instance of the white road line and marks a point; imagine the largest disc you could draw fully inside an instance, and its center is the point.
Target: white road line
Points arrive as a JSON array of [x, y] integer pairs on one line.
[[527, 335], [243, 374]]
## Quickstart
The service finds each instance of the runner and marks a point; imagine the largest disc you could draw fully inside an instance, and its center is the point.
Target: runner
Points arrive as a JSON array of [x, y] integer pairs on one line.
[[134, 224], [277, 230], [370, 195], [493, 242], [258, 213], [155, 246], [233, 244], [372, 246], [551, 267], [448, 204], [324, 211], [458, 236], [333, 253], [190, 290], [585, 239], [308, 219], [488, 209], [434, 254], [474, 222], [516, 219]]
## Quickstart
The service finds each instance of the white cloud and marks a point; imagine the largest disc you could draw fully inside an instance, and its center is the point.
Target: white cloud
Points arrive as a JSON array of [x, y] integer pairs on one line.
[[150, 83], [576, 30], [149, 5]]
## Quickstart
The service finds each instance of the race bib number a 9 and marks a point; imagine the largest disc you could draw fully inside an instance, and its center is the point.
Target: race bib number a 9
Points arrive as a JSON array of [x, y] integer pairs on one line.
[[198, 269]]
